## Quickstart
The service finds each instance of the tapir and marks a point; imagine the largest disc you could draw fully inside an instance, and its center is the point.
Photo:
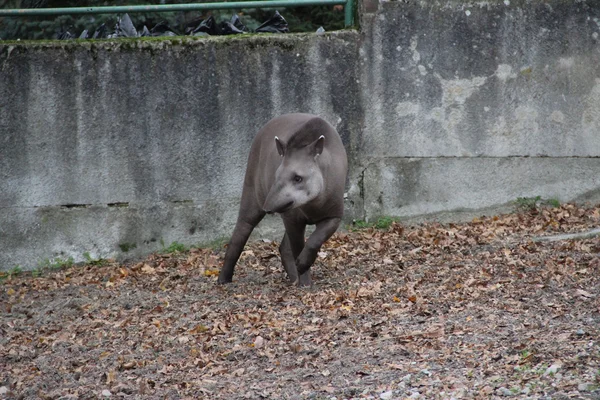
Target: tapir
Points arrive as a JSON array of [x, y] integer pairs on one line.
[[297, 168]]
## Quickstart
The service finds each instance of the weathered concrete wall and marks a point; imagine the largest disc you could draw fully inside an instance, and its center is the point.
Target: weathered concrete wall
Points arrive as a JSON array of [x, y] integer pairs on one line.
[[443, 106], [471, 104], [118, 143]]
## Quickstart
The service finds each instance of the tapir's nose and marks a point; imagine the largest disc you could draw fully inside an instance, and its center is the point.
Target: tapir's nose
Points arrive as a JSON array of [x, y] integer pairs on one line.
[[280, 209]]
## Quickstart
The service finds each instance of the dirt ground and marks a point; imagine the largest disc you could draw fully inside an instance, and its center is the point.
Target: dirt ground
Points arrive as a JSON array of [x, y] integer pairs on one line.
[[477, 310]]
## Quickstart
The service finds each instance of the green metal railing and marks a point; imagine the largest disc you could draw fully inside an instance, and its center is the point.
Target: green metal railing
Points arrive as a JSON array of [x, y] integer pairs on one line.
[[18, 12]]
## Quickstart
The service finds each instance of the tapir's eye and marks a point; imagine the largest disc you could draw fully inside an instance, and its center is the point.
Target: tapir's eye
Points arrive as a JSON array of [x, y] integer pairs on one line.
[[297, 179]]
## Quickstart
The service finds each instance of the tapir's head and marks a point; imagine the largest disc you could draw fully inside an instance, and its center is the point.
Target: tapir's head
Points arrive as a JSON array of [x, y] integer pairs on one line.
[[298, 179]]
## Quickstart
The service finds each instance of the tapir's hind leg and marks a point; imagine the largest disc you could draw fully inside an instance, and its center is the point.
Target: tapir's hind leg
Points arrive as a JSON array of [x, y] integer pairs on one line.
[[249, 216], [323, 231]]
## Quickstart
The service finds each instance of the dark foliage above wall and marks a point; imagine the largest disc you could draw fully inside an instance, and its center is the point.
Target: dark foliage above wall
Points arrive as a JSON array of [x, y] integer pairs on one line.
[[299, 19]]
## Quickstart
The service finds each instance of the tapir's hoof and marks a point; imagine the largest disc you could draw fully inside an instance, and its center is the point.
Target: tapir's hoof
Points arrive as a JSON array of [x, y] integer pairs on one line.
[[224, 280], [303, 281]]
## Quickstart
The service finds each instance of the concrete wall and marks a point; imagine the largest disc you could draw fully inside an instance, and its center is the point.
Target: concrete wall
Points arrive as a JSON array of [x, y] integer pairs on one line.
[[443, 106], [470, 105]]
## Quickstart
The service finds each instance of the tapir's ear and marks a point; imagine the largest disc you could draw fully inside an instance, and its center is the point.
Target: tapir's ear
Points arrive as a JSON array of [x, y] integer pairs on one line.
[[280, 146], [318, 144]]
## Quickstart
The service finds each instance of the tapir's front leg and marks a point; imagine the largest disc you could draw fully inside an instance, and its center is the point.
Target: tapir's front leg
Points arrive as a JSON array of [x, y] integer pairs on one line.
[[291, 246], [287, 258], [324, 230]]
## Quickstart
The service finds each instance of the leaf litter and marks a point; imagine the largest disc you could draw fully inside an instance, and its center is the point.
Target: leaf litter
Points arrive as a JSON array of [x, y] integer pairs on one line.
[[463, 310]]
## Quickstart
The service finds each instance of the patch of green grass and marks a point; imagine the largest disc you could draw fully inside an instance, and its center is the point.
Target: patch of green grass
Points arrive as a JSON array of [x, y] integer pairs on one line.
[[125, 247], [359, 224], [174, 247], [381, 223], [541, 369], [553, 202], [526, 356], [216, 244], [532, 203], [527, 203], [4, 275], [89, 260], [523, 368], [385, 222], [56, 263]]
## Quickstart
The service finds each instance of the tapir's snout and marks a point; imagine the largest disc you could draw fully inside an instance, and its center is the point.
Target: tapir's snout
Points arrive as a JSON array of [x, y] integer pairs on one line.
[[278, 209]]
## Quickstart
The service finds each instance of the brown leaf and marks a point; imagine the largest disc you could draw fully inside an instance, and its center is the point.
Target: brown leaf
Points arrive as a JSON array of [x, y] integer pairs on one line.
[[198, 329], [435, 331], [110, 377], [585, 294], [258, 342], [147, 269]]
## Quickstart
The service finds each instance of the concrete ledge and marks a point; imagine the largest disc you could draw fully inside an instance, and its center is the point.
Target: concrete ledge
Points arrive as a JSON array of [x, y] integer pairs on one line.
[[409, 187]]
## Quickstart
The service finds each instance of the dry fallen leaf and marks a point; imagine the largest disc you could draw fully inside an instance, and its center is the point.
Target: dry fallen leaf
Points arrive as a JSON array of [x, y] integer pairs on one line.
[[258, 342], [584, 293], [183, 339], [147, 269]]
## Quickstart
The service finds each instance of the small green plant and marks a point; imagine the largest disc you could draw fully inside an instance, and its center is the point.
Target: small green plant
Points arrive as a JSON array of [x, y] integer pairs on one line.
[[125, 247], [527, 203], [93, 261], [56, 263], [216, 244], [553, 202], [175, 247], [541, 369], [523, 368], [526, 358], [359, 224], [10, 273], [385, 222], [532, 203], [381, 223], [16, 270]]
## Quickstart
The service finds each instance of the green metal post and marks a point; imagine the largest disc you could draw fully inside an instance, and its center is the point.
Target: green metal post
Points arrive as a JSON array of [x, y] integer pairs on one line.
[[349, 13]]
